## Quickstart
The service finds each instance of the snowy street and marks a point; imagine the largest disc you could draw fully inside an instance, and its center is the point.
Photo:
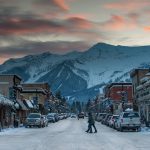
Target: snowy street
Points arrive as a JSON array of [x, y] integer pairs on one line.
[[70, 135]]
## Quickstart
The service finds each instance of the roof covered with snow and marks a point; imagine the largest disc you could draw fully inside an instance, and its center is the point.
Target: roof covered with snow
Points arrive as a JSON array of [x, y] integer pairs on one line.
[[5, 101]]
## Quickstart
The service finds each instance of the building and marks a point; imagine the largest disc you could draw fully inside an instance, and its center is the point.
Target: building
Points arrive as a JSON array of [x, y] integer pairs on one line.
[[141, 91], [39, 93], [6, 116], [119, 95], [10, 87], [119, 91], [136, 75]]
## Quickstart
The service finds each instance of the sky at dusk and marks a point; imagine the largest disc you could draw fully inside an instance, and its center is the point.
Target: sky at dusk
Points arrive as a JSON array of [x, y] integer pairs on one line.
[[60, 26]]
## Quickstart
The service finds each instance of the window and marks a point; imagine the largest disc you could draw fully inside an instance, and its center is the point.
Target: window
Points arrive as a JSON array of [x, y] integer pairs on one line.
[[130, 114]]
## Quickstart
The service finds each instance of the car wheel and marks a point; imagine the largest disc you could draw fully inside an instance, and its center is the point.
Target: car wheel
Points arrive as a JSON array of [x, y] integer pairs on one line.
[[138, 129], [121, 129]]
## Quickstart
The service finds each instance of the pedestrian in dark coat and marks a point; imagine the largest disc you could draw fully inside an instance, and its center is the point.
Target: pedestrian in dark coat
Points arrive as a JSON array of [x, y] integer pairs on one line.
[[91, 122]]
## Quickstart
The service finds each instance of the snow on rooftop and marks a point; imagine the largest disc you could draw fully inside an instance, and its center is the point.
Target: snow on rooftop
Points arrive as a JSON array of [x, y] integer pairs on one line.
[[5, 101], [139, 87], [144, 79], [148, 74]]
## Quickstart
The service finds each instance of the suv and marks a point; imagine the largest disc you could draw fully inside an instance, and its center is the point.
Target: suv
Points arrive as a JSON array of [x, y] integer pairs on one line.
[[51, 117], [34, 119], [81, 115], [129, 120]]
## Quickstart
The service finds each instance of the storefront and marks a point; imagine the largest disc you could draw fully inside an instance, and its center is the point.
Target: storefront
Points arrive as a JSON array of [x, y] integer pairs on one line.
[[6, 113]]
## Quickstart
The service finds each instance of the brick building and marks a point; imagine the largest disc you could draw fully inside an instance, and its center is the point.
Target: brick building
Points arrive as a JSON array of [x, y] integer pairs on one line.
[[119, 93]]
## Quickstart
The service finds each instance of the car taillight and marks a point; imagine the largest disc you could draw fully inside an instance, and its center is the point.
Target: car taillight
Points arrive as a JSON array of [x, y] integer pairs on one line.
[[121, 120]]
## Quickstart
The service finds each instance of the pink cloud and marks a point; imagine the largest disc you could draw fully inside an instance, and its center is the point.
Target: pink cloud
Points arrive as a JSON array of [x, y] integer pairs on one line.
[[51, 4], [20, 27], [77, 27], [128, 5], [118, 23], [79, 22], [147, 28], [62, 4], [115, 23]]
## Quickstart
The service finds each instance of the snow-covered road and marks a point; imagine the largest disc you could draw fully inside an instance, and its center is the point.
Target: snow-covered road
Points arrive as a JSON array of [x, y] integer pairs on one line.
[[70, 135]]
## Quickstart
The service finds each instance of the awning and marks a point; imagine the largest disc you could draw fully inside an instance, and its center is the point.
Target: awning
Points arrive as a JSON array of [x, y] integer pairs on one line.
[[21, 104], [28, 103]]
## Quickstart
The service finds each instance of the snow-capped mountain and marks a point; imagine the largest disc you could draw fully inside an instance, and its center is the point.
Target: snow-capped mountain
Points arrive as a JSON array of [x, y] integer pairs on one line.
[[80, 75]]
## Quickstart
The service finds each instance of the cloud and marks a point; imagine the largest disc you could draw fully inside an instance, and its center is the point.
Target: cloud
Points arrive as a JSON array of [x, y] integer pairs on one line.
[[128, 5], [60, 47], [38, 8], [147, 28], [120, 23], [27, 26], [55, 4], [79, 22], [115, 23], [75, 26]]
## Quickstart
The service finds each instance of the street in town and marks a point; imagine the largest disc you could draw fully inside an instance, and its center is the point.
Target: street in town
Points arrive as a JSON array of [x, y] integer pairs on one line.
[[70, 135]]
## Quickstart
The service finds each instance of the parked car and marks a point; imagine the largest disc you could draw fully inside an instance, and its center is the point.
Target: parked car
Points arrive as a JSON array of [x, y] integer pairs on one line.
[[116, 123], [34, 119], [105, 119], [61, 116], [45, 120], [51, 117], [73, 115], [129, 120], [108, 120], [81, 115], [103, 116], [100, 116], [112, 120]]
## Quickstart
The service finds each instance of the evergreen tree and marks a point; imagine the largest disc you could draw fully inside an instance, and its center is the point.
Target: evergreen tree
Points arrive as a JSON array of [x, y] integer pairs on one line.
[[73, 107], [58, 95], [88, 105]]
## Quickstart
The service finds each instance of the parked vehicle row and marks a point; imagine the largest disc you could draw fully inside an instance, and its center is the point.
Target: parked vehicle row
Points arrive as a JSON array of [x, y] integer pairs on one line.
[[38, 120], [128, 120]]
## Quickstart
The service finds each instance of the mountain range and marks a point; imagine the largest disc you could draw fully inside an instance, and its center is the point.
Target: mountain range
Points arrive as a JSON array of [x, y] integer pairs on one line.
[[80, 75]]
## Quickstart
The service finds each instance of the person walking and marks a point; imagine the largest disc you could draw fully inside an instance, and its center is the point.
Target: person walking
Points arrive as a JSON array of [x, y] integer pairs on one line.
[[91, 124]]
